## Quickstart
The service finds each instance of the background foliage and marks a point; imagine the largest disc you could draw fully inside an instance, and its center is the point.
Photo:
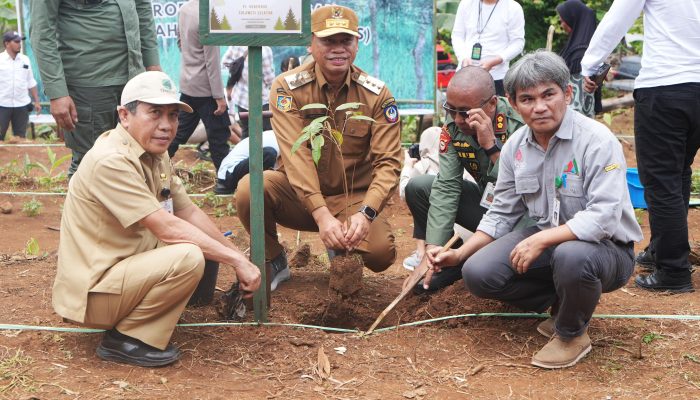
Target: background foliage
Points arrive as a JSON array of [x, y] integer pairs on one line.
[[8, 15]]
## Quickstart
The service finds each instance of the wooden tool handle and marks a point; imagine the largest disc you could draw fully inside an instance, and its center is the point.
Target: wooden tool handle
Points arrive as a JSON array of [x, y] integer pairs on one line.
[[411, 281]]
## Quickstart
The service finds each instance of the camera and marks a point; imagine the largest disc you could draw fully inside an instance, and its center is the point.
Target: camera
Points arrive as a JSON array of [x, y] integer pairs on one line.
[[414, 151]]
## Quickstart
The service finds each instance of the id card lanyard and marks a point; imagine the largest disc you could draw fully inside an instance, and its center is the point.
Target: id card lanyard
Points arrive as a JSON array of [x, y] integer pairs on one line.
[[476, 49]]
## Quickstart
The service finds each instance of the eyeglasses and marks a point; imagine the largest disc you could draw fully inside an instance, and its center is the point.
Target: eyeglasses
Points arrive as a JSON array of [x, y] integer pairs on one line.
[[462, 113]]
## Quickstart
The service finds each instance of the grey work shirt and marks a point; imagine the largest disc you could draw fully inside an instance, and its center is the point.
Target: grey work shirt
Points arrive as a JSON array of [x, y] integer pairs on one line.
[[583, 166]]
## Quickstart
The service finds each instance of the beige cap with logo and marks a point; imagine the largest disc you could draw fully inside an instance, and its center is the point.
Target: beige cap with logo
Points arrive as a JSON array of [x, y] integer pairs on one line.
[[152, 87], [331, 20]]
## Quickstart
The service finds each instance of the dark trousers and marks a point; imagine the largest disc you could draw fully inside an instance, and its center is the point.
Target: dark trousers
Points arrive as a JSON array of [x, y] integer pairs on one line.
[[18, 116], [667, 137], [267, 125], [468, 213], [97, 113], [243, 168], [215, 125], [573, 274]]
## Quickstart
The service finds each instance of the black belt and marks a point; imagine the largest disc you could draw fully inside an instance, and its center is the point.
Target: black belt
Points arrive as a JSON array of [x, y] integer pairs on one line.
[[90, 2]]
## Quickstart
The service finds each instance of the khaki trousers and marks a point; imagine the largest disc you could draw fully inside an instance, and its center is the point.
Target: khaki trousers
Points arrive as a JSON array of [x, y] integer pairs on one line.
[[155, 288], [283, 207]]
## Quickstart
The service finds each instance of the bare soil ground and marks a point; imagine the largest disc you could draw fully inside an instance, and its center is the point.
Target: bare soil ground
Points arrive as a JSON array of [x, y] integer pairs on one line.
[[471, 357]]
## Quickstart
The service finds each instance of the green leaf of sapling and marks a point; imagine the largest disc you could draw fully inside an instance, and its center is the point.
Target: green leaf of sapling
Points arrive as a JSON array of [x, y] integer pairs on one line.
[[362, 118], [314, 105], [348, 106]]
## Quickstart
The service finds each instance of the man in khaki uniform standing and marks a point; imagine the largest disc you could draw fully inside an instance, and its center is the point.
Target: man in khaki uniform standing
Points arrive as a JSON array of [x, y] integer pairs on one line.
[[132, 244], [311, 197]]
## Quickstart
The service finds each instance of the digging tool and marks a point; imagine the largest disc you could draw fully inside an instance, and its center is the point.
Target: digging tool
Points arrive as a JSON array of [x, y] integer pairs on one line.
[[410, 282]]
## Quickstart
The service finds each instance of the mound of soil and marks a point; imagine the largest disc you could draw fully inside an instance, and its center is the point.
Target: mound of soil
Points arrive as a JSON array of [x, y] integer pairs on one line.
[[301, 257], [346, 275]]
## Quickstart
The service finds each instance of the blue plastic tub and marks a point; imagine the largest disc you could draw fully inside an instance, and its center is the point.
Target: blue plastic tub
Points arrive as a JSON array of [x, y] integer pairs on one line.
[[635, 188]]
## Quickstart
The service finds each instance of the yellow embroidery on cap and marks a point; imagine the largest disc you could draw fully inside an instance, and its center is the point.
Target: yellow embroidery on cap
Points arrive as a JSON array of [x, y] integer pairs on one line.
[[337, 23]]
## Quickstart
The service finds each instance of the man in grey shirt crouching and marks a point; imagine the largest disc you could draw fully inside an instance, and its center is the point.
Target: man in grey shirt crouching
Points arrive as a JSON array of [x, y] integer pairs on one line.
[[567, 172]]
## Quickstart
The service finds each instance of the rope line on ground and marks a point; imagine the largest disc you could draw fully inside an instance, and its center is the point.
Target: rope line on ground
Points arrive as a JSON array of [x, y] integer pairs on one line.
[[21, 327], [64, 193]]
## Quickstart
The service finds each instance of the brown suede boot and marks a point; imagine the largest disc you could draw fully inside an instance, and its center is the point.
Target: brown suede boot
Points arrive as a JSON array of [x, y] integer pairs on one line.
[[546, 327], [560, 353]]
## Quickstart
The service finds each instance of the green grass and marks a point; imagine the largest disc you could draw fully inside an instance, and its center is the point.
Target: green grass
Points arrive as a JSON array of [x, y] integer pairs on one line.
[[32, 208]]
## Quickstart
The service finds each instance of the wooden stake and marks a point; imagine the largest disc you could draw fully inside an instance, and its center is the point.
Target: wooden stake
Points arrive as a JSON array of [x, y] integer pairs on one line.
[[410, 282]]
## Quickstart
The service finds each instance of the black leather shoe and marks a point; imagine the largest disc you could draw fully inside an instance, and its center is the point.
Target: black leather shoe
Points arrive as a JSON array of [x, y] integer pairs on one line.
[[442, 279], [118, 347], [663, 280], [202, 153], [645, 259], [221, 188]]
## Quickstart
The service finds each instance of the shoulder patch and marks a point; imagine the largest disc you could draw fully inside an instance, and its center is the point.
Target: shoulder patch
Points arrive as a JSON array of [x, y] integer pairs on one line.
[[611, 167], [500, 124], [374, 85], [284, 103], [299, 79], [445, 139], [391, 113]]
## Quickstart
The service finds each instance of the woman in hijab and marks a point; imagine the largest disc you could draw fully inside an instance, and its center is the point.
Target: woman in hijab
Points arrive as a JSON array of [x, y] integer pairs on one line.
[[579, 22]]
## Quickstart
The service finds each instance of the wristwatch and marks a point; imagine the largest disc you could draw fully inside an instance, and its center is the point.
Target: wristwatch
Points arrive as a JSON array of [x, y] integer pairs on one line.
[[494, 149], [369, 212]]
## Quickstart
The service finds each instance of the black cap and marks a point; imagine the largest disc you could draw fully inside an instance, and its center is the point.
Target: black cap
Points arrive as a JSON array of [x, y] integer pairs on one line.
[[12, 36]]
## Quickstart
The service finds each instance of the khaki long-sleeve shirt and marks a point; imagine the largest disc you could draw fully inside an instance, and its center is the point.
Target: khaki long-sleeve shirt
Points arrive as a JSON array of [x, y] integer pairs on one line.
[[91, 45], [117, 185], [371, 151]]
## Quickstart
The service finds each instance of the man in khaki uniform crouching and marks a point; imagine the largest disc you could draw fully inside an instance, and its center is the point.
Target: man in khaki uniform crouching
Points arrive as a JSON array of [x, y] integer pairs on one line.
[[132, 244], [310, 197]]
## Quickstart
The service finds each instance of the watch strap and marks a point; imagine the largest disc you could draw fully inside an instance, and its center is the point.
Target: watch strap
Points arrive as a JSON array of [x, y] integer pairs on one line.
[[494, 149], [369, 212]]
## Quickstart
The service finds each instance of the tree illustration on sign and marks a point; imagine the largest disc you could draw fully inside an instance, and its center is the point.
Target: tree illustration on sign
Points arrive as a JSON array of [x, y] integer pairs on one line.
[[225, 26], [279, 26], [217, 23], [290, 22]]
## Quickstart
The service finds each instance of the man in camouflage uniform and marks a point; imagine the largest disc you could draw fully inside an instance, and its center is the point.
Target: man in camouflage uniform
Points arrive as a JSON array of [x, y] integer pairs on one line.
[[342, 195], [478, 124]]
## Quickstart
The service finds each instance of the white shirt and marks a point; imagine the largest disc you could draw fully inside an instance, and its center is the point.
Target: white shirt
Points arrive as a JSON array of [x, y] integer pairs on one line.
[[16, 78], [241, 151], [502, 36], [671, 40]]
